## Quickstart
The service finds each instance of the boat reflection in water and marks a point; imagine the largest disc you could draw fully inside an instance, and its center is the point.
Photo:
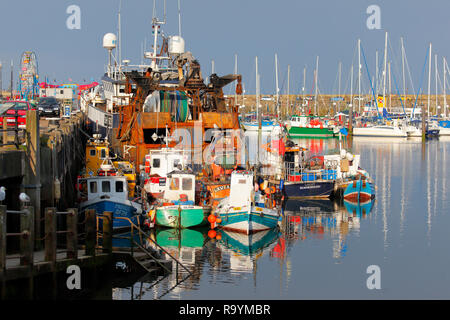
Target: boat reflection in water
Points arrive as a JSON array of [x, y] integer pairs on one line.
[[315, 219], [243, 250]]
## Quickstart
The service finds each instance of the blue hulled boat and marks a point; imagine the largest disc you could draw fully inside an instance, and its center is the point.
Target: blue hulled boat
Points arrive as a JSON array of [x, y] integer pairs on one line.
[[110, 193]]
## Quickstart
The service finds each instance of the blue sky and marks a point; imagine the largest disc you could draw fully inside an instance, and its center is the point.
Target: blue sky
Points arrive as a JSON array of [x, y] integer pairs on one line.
[[296, 30]]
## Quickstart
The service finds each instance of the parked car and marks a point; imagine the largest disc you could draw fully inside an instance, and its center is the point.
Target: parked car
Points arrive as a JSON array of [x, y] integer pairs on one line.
[[10, 108], [49, 106]]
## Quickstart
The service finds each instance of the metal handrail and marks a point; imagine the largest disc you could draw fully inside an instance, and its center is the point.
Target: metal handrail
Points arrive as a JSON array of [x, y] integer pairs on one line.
[[154, 242]]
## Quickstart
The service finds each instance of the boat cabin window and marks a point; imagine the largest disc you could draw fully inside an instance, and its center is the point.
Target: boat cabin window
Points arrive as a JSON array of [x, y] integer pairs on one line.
[[187, 184], [174, 184], [106, 187], [176, 162], [156, 163], [119, 186], [93, 187], [102, 153], [92, 152], [242, 181]]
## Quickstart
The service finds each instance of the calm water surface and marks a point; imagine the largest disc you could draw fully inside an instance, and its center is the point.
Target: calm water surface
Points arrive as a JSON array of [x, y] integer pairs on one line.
[[323, 249]]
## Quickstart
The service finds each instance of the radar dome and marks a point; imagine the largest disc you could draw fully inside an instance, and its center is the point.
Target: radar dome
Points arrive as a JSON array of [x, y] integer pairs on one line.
[[109, 41], [176, 45]]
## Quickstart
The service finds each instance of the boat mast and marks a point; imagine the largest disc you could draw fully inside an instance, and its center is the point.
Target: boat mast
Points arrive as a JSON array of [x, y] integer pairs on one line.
[[288, 97], [119, 45], [359, 76], [384, 73], [429, 81], [339, 85], [304, 85], [403, 70], [445, 91], [316, 89], [235, 72], [436, 80], [257, 110], [389, 84], [376, 73], [179, 18], [276, 85]]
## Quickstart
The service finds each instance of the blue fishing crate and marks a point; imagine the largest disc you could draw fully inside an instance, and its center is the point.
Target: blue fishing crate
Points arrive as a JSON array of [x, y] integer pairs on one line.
[[308, 176]]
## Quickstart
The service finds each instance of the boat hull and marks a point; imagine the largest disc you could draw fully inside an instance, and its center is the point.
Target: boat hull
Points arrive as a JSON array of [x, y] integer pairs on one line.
[[359, 191], [183, 216], [309, 189], [243, 221], [297, 132], [119, 210]]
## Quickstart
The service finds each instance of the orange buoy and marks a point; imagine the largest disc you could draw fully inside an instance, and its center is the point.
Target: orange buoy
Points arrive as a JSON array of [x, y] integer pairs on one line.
[[218, 220], [219, 236], [211, 233], [267, 191], [211, 218]]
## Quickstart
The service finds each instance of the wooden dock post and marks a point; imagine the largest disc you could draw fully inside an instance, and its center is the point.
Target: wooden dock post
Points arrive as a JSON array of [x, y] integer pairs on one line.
[[2, 238], [90, 232], [27, 238], [50, 234], [32, 177], [72, 235], [107, 231], [27, 246], [3, 249]]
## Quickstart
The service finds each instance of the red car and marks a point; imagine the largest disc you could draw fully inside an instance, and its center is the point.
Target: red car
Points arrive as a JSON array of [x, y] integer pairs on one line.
[[10, 108]]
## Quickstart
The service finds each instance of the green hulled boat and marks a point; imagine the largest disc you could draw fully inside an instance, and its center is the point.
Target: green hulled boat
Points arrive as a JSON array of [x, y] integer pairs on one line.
[[177, 209], [305, 126], [182, 216]]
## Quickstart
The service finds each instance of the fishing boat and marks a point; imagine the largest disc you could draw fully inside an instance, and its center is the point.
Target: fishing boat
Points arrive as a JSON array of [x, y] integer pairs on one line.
[[245, 210], [178, 208], [158, 163], [305, 126], [251, 124], [110, 193]]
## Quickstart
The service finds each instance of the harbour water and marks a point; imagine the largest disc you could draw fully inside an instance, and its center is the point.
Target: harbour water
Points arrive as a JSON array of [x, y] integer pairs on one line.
[[323, 249]]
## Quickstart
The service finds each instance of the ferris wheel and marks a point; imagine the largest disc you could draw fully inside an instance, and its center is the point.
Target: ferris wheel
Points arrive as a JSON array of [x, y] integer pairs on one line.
[[28, 77]]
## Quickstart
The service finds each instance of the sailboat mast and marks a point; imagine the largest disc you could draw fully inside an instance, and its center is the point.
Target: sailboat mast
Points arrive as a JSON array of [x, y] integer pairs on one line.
[[257, 109], [288, 96], [376, 73], [339, 84], [276, 85], [445, 87], [316, 76], [403, 69], [359, 76], [436, 79], [389, 85], [304, 85], [384, 73], [429, 81], [235, 72]]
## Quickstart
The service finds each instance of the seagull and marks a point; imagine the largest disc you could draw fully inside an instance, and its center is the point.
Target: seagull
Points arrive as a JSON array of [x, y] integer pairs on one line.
[[2, 194], [23, 197]]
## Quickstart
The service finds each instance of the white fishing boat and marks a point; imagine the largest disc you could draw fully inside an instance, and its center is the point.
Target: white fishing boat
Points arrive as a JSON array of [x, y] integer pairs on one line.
[[245, 210]]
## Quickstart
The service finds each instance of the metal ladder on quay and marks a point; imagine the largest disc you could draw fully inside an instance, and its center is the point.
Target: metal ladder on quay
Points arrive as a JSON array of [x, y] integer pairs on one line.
[[151, 261]]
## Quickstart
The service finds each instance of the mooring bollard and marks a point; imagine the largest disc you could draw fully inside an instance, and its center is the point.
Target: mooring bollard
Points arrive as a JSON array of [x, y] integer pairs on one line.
[[90, 232], [72, 235], [107, 231], [50, 234]]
